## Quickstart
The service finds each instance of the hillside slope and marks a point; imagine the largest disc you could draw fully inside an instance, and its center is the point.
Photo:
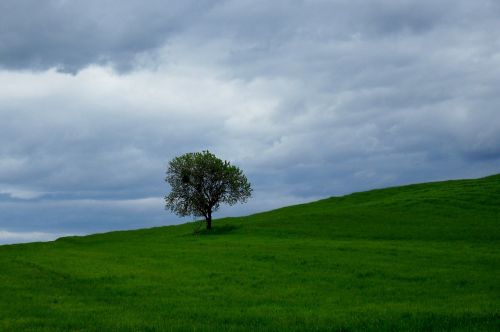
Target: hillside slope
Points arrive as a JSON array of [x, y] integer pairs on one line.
[[419, 257]]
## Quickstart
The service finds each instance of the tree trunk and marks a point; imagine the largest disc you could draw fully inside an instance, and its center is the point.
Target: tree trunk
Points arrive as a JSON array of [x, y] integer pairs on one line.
[[209, 220]]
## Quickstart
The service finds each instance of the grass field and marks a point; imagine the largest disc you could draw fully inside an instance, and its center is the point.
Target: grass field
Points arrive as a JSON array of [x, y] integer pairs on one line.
[[423, 257]]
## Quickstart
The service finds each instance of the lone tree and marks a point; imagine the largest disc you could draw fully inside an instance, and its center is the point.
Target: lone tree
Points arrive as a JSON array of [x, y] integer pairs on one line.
[[200, 182]]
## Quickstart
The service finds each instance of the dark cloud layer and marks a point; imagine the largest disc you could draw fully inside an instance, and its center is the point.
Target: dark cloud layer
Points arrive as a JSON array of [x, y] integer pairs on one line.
[[311, 98], [71, 35]]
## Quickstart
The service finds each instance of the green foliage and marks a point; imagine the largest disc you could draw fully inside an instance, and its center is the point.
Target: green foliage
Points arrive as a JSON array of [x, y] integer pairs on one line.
[[416, 258], [200, 182]]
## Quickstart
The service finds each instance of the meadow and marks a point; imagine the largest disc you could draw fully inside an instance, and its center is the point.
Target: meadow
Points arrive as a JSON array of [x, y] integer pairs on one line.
[[423, 257]]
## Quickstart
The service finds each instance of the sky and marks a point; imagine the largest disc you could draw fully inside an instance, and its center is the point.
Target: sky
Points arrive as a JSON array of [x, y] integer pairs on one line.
[[310, 98]]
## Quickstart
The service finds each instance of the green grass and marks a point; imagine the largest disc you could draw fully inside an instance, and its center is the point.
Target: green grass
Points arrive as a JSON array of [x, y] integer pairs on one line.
[[423, 257]]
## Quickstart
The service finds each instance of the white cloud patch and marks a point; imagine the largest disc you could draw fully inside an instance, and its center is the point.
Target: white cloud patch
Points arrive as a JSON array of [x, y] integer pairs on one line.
[[19, 193], [21, 237]]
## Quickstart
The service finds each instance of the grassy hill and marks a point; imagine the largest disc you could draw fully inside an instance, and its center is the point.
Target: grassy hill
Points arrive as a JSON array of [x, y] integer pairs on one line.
[[419, 257]]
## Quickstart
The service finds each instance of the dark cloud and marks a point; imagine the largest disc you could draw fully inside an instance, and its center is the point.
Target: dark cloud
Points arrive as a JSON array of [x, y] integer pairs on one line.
[[71, 35]]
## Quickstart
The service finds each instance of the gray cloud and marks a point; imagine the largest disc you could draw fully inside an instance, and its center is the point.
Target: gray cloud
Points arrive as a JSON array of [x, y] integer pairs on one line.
[[310, 98], [71, 35]]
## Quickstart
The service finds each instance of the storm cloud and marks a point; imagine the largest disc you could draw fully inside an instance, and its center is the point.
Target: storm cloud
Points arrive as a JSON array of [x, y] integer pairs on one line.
[[310, 98]]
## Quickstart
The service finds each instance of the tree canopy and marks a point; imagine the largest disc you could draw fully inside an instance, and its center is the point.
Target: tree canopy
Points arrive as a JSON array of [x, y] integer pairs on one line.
[[200, 182]]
